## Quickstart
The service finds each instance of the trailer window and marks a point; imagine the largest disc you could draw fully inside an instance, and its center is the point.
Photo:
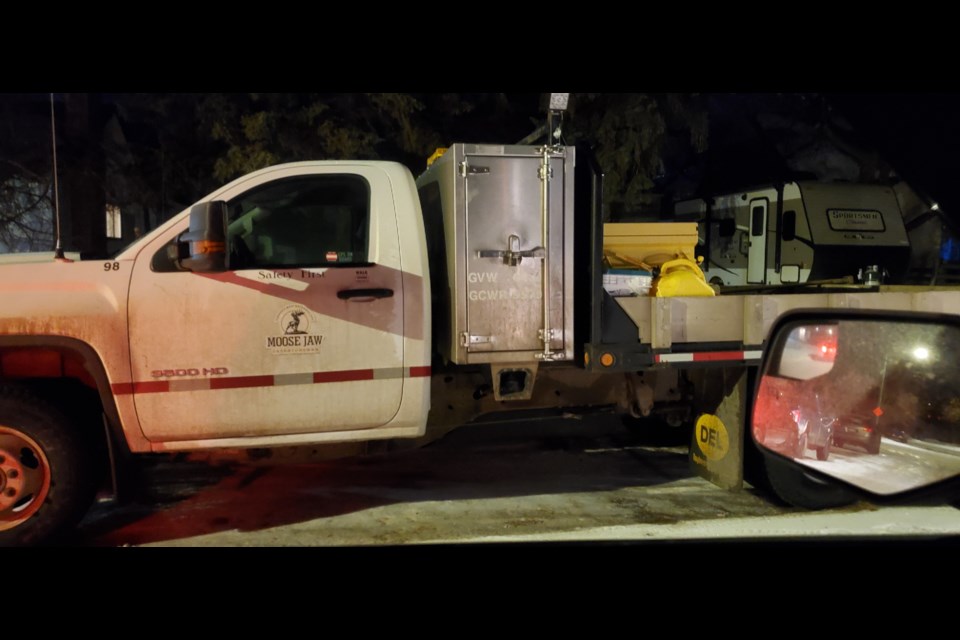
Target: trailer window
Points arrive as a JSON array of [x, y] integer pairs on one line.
[[789, 225], [757, 226], [301, 222]]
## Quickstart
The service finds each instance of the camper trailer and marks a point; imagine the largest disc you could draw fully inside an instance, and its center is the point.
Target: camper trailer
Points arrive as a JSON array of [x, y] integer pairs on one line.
[[804, 231]]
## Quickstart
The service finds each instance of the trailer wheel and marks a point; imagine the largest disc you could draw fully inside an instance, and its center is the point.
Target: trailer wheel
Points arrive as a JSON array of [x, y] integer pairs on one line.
[[46, 470]]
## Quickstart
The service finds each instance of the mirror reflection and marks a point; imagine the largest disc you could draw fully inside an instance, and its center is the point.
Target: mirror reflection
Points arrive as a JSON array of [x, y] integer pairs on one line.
[[874, 403]]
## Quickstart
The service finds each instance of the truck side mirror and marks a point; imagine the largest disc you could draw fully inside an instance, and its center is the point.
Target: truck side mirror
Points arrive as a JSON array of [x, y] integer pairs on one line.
[[859, 403], [203, 248]]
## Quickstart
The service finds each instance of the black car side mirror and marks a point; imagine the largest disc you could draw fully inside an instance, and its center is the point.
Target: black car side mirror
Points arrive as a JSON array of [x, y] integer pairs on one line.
[[859, 403]]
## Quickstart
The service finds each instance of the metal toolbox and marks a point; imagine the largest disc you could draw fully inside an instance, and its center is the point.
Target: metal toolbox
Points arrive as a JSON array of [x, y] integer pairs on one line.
[[486, 216]]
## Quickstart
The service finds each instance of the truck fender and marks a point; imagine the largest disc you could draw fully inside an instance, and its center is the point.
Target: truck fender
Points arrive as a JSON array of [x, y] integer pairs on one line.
[[71, 351]]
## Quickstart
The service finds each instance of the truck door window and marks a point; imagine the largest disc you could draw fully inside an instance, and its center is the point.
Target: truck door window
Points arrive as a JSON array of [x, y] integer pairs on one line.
[[307, 221]]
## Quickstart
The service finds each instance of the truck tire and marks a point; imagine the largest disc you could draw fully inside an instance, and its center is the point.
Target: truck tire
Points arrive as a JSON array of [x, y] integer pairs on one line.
[[47, 479]]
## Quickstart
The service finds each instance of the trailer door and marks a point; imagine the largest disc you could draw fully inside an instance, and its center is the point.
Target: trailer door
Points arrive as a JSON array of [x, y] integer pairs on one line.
[[757, 253]]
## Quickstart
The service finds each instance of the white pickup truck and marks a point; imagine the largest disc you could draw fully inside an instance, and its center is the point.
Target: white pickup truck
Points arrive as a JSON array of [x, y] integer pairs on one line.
[[347, 302]]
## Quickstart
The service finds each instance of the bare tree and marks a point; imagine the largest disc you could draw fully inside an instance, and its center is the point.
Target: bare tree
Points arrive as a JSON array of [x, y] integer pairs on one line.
[[26, 213]]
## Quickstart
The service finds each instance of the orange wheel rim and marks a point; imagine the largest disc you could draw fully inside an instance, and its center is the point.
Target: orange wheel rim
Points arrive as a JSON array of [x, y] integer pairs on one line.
[[24, 477]]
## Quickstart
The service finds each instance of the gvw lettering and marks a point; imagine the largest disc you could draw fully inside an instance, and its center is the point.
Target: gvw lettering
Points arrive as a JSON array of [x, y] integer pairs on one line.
[[475, 277]]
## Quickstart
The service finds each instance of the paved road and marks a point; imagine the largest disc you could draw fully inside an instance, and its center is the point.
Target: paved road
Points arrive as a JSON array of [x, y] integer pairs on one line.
[[555, 479]]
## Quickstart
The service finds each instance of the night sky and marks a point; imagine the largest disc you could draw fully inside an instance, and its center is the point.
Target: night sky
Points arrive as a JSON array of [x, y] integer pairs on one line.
[[917, 133]]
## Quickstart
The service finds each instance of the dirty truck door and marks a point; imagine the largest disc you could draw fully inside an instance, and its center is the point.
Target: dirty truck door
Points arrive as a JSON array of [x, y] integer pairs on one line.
[[304, 331]]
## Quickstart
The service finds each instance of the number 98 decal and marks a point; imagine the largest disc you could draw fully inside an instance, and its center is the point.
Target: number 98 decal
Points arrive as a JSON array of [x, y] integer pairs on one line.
[[111, 266]]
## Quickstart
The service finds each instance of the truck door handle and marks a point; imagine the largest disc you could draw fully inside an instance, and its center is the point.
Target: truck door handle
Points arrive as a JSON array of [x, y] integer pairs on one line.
[[368, 294]]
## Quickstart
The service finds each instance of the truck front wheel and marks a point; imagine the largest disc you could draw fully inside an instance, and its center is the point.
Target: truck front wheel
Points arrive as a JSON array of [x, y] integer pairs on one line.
[[46, 475]]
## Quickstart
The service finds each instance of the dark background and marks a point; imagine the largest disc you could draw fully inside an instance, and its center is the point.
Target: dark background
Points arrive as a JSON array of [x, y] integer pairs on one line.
[[154, 154]]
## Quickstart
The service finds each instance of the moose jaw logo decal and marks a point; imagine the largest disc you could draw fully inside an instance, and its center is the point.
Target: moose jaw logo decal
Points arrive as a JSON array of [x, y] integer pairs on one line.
[[295, 323]]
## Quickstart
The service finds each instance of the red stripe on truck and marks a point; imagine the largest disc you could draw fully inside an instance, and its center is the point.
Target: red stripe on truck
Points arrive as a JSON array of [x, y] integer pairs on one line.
[[242, 382], [127, 388], [708, 356], [122, 388], [343, 376], [711, 356]]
